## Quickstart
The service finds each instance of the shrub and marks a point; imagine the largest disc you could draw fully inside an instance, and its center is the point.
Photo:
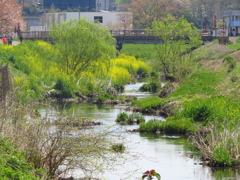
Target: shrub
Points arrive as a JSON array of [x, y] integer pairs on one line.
[[122, 117], [118, 148], [130, 118], [65, 89], [181, 126], [151, 87], [13, 164], [229, 62], [103, 97], [146, 104], [135, 118], [151, 126], [200, 114], [119, 87], [219, 142], [221, 156]]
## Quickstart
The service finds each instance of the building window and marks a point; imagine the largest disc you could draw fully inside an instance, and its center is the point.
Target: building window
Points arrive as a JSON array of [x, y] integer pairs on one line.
[[98, 18]]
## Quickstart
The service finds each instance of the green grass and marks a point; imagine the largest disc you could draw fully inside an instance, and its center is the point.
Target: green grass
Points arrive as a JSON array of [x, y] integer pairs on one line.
[[207, 106], [144, 52], [146, 104], [201, 82]]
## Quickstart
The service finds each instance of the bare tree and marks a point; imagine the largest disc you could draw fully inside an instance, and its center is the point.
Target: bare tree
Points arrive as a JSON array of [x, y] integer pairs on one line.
[[59, 146]]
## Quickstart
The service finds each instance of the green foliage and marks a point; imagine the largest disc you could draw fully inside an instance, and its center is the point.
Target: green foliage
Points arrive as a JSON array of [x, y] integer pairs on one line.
[[199, 114], [221, 143], [65, 88], [230, 63], [81, 44], [36, 68], [130, 118], [151, 126], [210, 109], [143, 52], [135, 118], [179, 36], [122, 117], [104, 97], [203, 82], [181, 126], [146, 104], [118, 148], [214, 50], [221, 155], [13, 164], [151, 87], [119, 87]]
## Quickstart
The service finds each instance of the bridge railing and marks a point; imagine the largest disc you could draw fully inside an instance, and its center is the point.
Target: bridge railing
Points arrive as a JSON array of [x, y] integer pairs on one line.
[[35, 34], [45, 34], [135, 32]]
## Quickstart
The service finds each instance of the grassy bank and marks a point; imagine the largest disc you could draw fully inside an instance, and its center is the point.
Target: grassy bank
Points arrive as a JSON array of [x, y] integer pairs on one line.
[[33, 72], [36, 70], [205, 106]]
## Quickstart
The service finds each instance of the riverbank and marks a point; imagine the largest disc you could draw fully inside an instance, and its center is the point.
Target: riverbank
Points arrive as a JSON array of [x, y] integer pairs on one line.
[[204, 106], [195, 102]]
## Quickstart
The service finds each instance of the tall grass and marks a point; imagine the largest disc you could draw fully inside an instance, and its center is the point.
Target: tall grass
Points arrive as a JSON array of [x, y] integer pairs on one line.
[[143, 52], [148, 104]]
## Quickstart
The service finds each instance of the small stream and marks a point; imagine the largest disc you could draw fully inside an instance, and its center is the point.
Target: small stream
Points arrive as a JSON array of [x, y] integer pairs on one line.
[[171, 156]]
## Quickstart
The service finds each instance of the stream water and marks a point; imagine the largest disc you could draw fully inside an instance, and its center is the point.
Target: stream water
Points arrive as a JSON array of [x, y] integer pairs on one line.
[[172, 156]]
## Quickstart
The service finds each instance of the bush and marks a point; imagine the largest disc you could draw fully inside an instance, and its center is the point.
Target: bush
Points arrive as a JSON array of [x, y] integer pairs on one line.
[[181, 126], [200, 114], [103, 97], [119, 87], [151, 87], [147, 104], [152, 126], [130, 119], [122, 117], [118, 148], [221, 156], [13, 164], [135, 118], [65, 89], [229, 62]]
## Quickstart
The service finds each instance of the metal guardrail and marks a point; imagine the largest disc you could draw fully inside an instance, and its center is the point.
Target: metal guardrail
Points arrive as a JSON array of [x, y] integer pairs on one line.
[[45, 34], [35, 34], [124, 36]]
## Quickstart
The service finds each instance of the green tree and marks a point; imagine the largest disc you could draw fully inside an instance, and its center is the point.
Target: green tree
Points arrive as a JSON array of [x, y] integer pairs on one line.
[[179, 37], [82, 44]]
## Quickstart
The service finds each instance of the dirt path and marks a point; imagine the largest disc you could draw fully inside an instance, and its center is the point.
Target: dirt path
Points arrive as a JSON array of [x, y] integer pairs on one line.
[[14, 43], [233, 39]]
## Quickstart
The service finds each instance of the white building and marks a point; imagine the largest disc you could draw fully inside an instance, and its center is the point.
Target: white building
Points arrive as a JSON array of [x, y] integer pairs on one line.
[[112, 20], [232, 18]]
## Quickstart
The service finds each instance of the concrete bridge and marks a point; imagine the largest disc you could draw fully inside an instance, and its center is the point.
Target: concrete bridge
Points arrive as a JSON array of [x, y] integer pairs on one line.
[[124, 36]]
